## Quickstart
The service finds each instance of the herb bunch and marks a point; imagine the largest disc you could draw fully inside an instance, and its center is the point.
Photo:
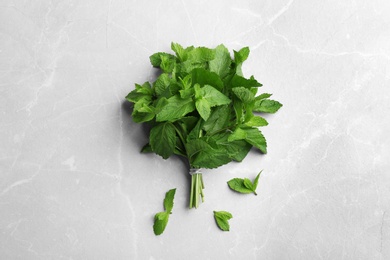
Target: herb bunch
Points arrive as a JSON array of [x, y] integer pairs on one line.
[[201, 107]]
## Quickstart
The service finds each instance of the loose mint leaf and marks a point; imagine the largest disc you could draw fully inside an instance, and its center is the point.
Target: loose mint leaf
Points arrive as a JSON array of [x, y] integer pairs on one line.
[[244, 186], [267, 106], [244, 94], [161, 218], [163, 139], [222, 218], [160, 222], [256, 181], [222, 61], [238, 185], [205, 77], [174, 108], [256, 121], [168, 201]]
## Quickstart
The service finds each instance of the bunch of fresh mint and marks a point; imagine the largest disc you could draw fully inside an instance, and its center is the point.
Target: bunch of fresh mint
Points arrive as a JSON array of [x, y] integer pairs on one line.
[[201, 107]]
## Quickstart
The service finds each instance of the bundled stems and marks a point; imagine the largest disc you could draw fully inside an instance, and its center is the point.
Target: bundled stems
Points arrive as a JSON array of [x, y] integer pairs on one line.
[[197, 187]]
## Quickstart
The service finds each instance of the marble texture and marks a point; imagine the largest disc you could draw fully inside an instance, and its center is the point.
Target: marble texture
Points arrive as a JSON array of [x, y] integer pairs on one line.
[[74, 186]]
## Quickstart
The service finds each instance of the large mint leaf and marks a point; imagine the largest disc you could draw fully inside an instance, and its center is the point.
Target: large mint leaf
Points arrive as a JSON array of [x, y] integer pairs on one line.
[[174, 108], [163, 139], [222, 61]]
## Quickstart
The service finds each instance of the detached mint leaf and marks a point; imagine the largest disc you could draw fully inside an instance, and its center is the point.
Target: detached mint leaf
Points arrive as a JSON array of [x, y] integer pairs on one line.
[[160, 222], [256, 181], [168, 201], [238, 185], [161, 218], [244, 186], [222, 218]]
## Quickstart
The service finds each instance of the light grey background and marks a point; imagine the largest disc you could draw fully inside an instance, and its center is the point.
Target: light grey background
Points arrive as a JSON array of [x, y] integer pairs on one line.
[[74, 185]]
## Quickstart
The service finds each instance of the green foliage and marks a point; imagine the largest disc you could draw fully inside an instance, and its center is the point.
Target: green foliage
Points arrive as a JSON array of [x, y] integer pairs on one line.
[[202, 107], [222, 218], [161, 218], [244, 186]]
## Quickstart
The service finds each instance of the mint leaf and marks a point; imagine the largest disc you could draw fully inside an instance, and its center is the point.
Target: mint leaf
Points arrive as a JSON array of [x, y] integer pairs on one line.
[[221, 64], [163, 139], [168, 201], [157, 58], [174, 108], [244, 186], [241, 55], [218, 119], [267, 106], [214, 97], [238, 185], [222, 218], [204, 77], [244, 94], [256, 181], [203, 107], [161, 218], [239, 81], [256, 121], [160, 222]]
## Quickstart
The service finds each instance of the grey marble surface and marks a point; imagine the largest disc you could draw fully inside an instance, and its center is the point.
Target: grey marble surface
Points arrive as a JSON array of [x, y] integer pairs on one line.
[[74, 186]]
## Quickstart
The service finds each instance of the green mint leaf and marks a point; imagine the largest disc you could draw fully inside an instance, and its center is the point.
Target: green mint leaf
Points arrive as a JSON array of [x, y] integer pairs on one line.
[[214, 97], [239, 81], [256, 121], [256, 182], [222, 218], [204, 77], [238, 185], [160, 222], [211, 158], [238, 134], [241, 55], [222, 61], [203, 107], [201, 54], [248, 184], [181, 53], [163, 139], [146, 148], [174, 108], [256, 138], [219, 119], [244, 94], [244, 186], [168, 201], [262, 96], [162, 83], [157, 58], [267, 106]]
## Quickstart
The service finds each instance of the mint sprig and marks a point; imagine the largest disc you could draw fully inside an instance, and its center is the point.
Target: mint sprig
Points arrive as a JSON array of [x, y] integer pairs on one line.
[[245, 185], [161, 218], [222, 219]]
